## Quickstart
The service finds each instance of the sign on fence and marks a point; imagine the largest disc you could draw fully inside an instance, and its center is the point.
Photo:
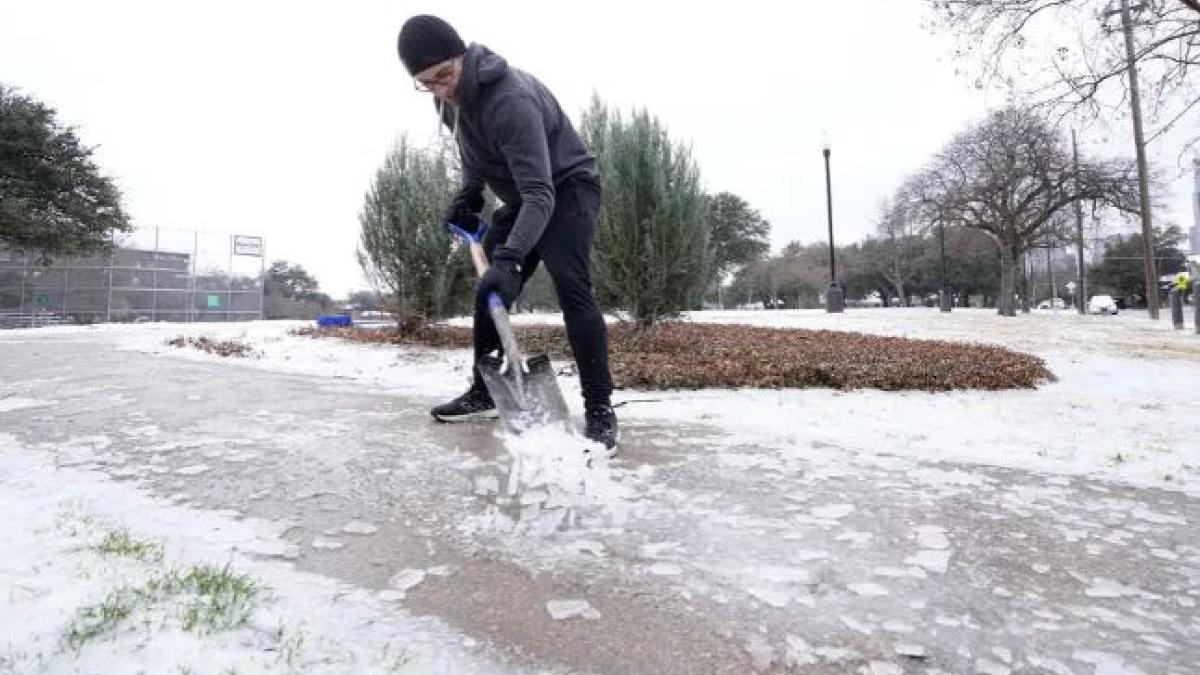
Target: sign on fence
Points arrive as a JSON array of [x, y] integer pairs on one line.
[[244, 245]]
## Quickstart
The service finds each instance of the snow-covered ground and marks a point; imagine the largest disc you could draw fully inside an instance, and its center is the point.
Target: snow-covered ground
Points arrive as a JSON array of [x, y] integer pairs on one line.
[[853, 531], [1122, 407], [58, 582]]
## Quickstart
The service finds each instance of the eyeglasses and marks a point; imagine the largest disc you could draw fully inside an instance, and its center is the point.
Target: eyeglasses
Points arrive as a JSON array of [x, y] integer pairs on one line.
[[440, 79]]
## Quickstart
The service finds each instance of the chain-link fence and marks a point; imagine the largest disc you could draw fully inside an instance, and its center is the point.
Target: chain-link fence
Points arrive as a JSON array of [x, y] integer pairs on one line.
[[153, 274]]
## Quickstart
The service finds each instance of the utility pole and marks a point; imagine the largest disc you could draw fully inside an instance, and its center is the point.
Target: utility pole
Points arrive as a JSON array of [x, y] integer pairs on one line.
[[1140, 143], [1053, 285], [1081, 282]]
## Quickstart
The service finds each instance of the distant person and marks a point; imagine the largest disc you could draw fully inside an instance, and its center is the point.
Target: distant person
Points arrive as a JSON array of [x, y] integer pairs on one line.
[[513, 138]]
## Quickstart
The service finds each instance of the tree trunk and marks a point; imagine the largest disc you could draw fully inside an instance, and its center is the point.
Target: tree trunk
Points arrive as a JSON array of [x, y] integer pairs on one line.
[[1010, 256], [1026, 291]]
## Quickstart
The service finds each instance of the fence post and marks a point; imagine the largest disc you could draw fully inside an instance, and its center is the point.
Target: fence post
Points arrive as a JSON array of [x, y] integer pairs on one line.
[[192, 293], [154, 280], [66, 287], [229, 300], [112, 260], [262, 279], [24, 276]]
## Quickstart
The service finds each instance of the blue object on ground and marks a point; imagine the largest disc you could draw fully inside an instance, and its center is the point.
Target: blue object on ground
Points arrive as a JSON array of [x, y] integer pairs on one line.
[[326, 320]]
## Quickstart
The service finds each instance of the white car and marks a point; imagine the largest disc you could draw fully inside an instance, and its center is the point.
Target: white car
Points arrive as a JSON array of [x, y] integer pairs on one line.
[[1102, 304], [1059, 303]]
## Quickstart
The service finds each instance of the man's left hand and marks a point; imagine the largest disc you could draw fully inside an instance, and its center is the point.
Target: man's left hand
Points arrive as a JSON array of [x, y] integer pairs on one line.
[[503, 277]]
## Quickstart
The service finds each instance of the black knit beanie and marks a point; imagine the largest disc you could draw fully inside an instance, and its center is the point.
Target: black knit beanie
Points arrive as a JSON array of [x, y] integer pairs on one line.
[[426, 40]]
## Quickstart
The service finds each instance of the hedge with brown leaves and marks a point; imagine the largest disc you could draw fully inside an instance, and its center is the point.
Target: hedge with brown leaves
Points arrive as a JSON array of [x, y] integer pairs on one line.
[[680, 355], [211, 346]]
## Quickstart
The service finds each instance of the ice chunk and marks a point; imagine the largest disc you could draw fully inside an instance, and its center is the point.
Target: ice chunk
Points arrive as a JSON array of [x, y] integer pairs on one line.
[[570, 609], [933, 561], [912, 651], [406, 579], [868, 589], [799, 652], [666, 569], [854, 624], [1107, 588], [192, 470], [327, 544], [359, 527], [932, 536], [833, 511]]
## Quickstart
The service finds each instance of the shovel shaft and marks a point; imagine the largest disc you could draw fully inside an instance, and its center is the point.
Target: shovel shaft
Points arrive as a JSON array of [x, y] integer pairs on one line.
[[479, 258], [508, 339]]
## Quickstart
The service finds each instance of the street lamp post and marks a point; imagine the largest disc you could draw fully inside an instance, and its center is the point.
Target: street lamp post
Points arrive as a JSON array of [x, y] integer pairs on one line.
[[835, 300]]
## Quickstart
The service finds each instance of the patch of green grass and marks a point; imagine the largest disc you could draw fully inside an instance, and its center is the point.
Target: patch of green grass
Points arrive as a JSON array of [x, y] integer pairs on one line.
[[120, 543], [207, 599], [95, 620], [222, 599]]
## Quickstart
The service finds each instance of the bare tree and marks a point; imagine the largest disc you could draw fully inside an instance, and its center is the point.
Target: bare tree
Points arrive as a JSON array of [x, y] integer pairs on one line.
[[900, 235], [1011, 177], [1067, 56]]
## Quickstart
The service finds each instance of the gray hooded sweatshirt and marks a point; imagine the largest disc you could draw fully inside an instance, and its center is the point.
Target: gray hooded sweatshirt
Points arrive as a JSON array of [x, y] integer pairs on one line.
[[513, 137]]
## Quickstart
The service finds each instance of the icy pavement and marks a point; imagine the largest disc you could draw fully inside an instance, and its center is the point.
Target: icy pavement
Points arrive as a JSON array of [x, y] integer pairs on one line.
[[825, 533]]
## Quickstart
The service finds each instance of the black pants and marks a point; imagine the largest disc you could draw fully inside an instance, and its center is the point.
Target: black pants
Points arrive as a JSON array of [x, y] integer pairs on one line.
[[565, 248]]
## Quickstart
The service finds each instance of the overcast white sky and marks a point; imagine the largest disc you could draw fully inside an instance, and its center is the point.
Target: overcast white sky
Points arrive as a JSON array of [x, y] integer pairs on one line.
[[270, 117]]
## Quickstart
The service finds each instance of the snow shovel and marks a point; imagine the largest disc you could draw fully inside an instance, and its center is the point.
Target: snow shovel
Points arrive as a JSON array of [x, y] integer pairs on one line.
[[525, 390]]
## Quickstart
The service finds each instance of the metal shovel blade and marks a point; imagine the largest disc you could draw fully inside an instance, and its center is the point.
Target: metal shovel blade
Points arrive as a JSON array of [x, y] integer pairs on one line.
[[538, 402]]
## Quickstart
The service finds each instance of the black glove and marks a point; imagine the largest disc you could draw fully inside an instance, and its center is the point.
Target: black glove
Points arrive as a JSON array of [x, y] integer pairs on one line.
[[503, 277], [463, 217]]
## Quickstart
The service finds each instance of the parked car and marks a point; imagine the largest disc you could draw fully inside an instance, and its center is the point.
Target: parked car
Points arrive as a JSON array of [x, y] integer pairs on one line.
[[1059, 303], [1102, 304]]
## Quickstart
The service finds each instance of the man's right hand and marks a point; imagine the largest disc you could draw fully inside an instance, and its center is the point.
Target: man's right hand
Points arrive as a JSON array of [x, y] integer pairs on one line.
[[462, 217]]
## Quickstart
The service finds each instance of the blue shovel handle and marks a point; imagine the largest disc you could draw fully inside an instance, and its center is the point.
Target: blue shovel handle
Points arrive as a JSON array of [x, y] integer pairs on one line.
[[468, 237]]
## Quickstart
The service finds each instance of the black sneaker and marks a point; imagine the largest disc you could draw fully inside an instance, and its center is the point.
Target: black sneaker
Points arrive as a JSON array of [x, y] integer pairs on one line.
[[474, 404], [601, 427]]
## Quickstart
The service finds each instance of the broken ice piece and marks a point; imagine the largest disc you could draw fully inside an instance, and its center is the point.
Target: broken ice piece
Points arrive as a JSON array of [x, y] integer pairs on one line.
[[487, 485], [884, 668], [274, 549], [933, 561], [359, 527], [657, 549], [327, 544], [833, 511], [666, 569], [568, 609], [912, 651], [406, 579], [193, 470], [932, 536], [391, 595], [868, 589]]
